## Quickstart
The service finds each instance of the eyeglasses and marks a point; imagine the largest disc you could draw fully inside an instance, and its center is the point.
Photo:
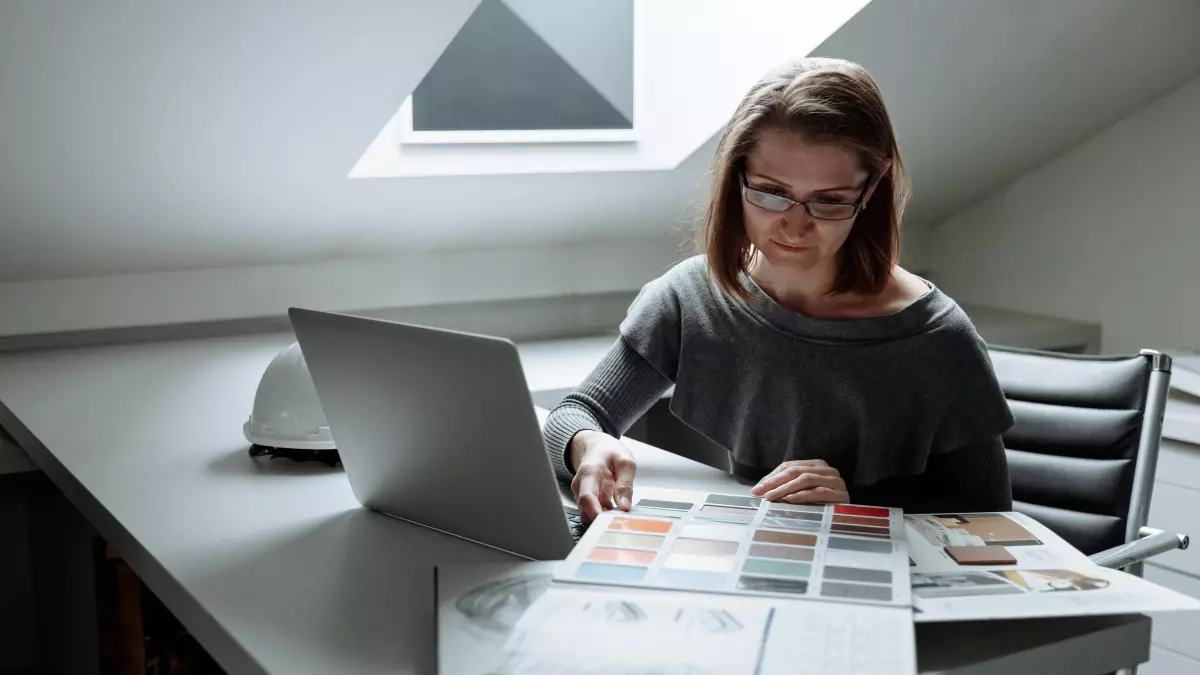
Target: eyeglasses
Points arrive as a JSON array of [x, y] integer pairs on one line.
[[816, 209]]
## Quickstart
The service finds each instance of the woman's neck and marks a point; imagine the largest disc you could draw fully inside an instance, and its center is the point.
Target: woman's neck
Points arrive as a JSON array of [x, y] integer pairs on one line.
[[805, 291]]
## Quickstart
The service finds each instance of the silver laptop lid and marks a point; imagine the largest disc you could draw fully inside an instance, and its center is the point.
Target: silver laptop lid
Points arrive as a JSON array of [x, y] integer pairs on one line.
[[436, 427]]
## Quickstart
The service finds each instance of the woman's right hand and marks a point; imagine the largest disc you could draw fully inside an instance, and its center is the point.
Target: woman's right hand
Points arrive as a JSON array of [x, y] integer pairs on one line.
[[604, 471]]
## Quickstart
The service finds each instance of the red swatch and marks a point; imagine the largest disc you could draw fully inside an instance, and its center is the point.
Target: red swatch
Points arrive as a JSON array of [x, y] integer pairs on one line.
[[861, 510]]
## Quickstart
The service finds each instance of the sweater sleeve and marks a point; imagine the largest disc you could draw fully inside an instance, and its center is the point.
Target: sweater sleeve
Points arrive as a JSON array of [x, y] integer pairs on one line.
[[971, 478], [617, 393]]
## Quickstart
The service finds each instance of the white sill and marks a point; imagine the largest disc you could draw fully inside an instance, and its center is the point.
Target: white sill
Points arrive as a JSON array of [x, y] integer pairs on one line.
[[408, 137]]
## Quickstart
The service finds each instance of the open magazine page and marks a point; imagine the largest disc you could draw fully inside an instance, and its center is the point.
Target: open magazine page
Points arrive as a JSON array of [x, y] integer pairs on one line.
[[1029, 543], [610, 631], [615, 631], [977, 566], [968, 595], [477, 608]]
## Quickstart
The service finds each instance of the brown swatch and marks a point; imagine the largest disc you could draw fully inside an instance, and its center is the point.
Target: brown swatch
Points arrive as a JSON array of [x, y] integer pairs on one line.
[[861, 520], [860, 529], [981, 555], [789, 538]]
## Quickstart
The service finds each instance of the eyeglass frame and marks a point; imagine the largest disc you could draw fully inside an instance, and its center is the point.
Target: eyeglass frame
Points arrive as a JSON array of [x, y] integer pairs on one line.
[[859, 203]]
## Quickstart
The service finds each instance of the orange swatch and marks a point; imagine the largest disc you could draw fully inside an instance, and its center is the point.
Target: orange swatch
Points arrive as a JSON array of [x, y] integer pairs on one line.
[[640, 525]]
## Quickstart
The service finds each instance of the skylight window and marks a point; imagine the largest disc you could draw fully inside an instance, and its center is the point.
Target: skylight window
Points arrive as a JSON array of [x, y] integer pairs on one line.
[[530, 71]]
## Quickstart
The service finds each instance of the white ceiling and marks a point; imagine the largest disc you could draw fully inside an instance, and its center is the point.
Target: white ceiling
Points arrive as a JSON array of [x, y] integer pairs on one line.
[[981, 91], [137, 135]]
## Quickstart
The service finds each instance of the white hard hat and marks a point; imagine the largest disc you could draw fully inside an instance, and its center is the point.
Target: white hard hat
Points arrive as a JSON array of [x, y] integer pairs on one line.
[[287, 413]]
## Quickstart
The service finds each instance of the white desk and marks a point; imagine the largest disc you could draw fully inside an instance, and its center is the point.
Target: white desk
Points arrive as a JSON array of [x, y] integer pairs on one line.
[[275, 568]]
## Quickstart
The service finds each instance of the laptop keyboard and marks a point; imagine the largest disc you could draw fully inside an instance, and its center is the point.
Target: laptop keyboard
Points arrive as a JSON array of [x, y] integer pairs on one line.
[[578, 527]]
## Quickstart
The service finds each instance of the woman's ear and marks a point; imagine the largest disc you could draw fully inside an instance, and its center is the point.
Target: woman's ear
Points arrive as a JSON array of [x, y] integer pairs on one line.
[[887, 166]]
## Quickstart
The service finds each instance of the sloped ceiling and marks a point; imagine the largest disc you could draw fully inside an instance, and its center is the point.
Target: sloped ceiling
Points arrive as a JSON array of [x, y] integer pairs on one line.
[[138, 135], [982, 91]]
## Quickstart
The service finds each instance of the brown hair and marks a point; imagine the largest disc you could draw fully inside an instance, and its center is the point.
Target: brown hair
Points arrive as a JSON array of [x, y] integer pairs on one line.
[[824, 100]]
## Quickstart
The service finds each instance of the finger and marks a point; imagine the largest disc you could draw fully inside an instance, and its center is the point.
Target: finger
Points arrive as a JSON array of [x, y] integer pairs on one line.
[[805, 481], [789, 473], [772, 480], [761, 486], [820, 495], [586, 496], [605, 493], [794, 466], [589, 508], [624, 470]]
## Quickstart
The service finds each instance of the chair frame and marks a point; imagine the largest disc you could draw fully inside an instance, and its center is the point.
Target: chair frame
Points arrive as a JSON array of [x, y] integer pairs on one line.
[[1143, 542]]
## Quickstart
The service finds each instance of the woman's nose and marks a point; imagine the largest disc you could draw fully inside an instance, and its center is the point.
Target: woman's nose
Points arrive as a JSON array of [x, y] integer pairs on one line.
[[796, 222]]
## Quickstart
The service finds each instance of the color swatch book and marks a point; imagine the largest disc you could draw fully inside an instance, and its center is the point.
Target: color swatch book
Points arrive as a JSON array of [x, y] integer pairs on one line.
[[745, 545], [972, 566]]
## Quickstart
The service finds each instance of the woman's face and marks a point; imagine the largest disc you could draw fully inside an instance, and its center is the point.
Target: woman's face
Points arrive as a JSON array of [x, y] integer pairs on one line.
[[786, 164]]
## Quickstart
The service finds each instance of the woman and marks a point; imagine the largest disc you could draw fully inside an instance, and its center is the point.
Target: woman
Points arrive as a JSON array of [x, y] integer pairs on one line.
[[795, 341]]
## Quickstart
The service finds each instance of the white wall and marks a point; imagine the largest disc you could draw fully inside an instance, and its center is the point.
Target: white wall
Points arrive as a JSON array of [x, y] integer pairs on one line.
[[916, 245], [1108, 232], [416, 279]]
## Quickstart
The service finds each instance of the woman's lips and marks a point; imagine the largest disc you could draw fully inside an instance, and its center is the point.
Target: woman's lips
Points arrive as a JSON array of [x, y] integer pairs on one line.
[[792, 249]]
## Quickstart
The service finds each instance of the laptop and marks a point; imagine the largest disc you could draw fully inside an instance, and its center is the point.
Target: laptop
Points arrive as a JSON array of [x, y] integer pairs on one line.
[[437, 427]]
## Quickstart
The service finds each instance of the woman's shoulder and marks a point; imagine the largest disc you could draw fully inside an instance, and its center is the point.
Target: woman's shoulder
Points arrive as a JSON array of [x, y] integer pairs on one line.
[[956, 344], [689, 273], [686, 281]]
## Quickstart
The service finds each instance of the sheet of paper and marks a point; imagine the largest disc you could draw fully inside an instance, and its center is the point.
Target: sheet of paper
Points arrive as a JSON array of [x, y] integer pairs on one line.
[[743, 545], [1031, 543], [592, 630], [589, 630], [828, 639], [477, 608], [968, 595]]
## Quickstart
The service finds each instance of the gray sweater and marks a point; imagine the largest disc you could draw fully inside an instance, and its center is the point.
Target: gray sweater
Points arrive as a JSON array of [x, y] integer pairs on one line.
[[905, 406]]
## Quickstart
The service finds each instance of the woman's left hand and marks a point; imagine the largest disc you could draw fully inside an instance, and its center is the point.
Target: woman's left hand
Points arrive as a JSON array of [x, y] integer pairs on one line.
[[803, 481]]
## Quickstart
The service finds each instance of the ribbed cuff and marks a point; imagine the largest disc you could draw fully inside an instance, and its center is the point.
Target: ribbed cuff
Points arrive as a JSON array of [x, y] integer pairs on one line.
[[567, 420]]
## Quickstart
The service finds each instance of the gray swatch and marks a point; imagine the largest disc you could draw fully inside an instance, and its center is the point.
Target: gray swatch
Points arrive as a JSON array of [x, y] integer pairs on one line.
[[778, 568], [733, 500], [764, 585], [863, 545], [788, 523], [663, 504], [657, 513], [725, 518], [798, 507], [785, 552], [857, 574], [795, 515], [836, 589]]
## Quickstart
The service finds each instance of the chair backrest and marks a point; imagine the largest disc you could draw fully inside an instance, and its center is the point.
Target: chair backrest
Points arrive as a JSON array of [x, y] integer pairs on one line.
[[1084, 447]]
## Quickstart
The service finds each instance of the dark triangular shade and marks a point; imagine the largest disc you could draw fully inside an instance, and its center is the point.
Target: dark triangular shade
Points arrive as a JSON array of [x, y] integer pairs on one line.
[[497, 74]]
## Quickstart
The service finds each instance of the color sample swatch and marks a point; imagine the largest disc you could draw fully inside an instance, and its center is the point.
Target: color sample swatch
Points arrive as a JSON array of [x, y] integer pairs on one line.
[[746, 545], [981, 555]]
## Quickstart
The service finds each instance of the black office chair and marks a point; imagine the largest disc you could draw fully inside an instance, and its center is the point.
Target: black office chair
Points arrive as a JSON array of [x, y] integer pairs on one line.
[[1083, 451]]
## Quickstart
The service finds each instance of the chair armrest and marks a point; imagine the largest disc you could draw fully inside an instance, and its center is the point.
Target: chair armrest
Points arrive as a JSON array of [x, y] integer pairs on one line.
[[1151, 543]]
